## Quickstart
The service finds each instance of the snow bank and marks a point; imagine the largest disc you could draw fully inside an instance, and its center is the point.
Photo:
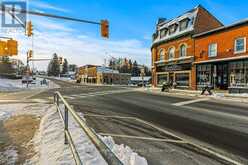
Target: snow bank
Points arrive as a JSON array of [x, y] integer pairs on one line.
[[16, 84], [49, 139], [124, 153], [51, 149]]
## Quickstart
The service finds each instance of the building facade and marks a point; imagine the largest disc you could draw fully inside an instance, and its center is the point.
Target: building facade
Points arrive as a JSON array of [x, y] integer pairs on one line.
[[221, 57], [173, 47], [101, 75]]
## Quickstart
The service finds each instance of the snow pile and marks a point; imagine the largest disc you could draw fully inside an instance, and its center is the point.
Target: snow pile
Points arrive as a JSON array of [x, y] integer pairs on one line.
[[50, 147], [16, 84], [124, 153], [49, 139]]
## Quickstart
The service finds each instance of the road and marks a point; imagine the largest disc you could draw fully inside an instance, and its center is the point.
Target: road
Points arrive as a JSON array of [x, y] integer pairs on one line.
[[123, 112]]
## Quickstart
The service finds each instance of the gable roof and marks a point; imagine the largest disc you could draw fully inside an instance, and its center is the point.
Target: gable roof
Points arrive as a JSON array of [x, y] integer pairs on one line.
[[222, 28]]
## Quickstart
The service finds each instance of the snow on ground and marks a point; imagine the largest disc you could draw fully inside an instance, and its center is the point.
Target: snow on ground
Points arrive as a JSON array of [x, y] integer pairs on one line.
[[9, 110], [16, 84], [52, 150], [49, 139], [124, 153]]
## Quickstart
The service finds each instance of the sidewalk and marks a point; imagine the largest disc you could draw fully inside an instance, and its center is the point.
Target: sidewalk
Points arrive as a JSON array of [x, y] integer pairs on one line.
[[220, 95]]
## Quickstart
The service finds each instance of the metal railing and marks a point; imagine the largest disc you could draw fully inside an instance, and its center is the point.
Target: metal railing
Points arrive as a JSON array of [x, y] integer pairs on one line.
[[104, 150]]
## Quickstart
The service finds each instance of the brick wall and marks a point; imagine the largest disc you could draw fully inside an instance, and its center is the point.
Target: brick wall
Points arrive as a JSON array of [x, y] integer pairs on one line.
[[225, 43], [176, 44], [205, 21]]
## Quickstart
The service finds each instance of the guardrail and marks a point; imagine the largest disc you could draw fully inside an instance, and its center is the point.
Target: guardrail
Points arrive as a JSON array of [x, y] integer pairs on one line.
[[105, 151]]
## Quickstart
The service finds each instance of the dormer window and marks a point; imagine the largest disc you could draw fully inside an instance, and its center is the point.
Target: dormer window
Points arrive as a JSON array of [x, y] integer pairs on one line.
[[154, 36], [172, 28], [163, 32], [184, 24]]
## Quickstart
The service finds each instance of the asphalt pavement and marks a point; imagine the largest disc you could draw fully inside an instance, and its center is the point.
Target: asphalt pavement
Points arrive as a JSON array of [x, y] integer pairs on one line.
[[129, 116]]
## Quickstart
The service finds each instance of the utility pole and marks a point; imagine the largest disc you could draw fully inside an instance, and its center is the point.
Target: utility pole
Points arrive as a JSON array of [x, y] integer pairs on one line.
[[142, 74]]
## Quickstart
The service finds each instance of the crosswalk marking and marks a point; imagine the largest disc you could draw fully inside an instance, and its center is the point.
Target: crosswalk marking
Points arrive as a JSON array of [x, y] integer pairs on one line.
[[92, 94], [190, 101]]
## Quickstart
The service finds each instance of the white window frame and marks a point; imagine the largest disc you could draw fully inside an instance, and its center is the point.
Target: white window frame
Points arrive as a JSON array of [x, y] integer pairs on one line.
[[209, 50], [161, 50], [180, 51], [235, 45], [171, 48]]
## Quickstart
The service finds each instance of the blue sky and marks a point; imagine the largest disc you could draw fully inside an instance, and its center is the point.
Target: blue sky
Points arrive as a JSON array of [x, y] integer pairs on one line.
[[132, 23], [136, 18]]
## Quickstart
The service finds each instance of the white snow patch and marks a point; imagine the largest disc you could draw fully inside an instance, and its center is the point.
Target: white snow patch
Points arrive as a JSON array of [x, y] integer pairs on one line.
[[124, 153], [16, 84], [9, 155], [49, 139]]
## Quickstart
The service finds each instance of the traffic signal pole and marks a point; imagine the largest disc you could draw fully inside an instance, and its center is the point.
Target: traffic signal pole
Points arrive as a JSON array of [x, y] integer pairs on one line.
[[104, 24]]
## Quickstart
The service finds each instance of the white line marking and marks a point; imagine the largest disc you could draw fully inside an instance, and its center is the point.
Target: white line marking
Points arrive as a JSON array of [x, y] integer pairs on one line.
[[101, 93], [190, 101], [143, 138], [208, 150]]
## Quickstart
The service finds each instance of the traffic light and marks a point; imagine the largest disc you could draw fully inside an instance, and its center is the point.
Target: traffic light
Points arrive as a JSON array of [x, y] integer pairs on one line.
[[105, 28], [12, 47], [30, 54], [3, 48], [29, 29]]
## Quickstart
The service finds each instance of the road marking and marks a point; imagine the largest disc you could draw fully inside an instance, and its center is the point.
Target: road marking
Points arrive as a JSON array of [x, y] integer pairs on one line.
[[100, 93], [143, 138], [190, 102], [196, 146]]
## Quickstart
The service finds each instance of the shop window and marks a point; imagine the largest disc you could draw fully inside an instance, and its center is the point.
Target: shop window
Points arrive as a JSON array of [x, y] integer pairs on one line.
[[238, 73], [184, 24], [204, 75], [182, 79], [161, 54], [183, 50], [240, 45], [161, 78], [171, 53], [212, 50]]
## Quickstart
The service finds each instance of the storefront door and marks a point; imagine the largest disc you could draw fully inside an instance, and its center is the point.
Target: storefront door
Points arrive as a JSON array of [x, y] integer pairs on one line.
[[221, 76], [171, 78]]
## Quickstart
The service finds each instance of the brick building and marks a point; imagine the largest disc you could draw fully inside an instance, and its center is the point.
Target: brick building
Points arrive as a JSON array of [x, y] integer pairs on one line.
[[221, 57], [101, 75], [173, 47]]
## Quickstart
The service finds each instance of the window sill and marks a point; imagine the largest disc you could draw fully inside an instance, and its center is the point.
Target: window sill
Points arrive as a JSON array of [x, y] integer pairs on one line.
[[239, 52]]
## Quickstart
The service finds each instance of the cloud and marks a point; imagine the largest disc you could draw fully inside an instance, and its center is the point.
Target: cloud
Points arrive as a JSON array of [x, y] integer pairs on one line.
[[78, 49], [43, 5]]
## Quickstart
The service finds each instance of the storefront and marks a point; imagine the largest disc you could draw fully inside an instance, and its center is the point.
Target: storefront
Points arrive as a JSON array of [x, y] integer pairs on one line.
[[180, 74], [232, 75]]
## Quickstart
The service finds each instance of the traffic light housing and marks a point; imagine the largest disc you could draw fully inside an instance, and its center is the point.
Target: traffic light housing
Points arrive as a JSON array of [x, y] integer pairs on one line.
[[12, 47], [105, 28], [3, 48], [29, 29], [30, 54]]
